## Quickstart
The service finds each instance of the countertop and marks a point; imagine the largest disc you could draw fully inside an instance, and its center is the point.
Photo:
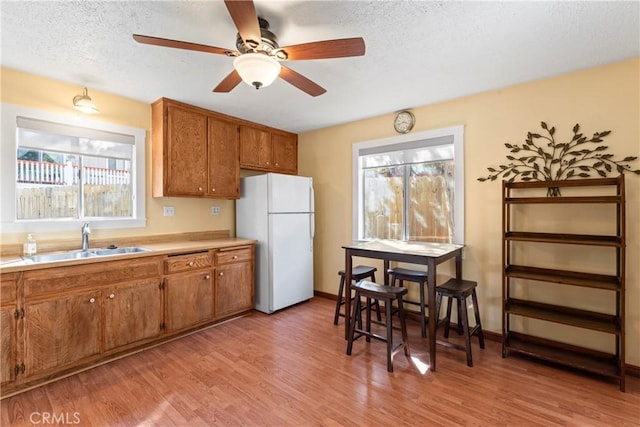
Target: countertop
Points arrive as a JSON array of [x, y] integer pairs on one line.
[[16, 263]]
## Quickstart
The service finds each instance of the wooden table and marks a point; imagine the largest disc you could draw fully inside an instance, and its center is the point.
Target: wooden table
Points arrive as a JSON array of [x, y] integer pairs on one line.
[[429, 254]]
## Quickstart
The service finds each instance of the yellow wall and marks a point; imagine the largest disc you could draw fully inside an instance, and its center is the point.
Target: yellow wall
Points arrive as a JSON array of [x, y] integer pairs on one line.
[[603, 98], [54, 96]]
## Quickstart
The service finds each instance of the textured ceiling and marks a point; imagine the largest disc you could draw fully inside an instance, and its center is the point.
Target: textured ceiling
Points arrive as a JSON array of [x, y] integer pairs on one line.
[[417, 52]]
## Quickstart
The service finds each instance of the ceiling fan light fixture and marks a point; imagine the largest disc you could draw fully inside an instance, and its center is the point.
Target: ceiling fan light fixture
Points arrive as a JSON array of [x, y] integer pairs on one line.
[[84, 104], [257, 69]]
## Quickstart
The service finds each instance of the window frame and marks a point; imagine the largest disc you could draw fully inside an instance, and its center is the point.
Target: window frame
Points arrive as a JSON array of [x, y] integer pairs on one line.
[[456, 132], [8, 150]]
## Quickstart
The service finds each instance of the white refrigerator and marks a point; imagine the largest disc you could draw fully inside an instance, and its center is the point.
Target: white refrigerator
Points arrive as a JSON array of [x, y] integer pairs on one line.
[[277, 211]]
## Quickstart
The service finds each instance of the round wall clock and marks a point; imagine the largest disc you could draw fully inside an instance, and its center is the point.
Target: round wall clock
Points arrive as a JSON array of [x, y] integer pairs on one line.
[[404, 121]]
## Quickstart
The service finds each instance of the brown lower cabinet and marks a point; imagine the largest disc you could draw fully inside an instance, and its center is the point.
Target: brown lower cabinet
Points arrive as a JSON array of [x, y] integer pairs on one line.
[[69, 318], [9, 314], [234, 273], [132, 312], [189, 300], [59, 332]]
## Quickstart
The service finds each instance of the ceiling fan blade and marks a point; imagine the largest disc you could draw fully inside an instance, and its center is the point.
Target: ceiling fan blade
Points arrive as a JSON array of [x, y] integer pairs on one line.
[[243, 13], [301, 82], [338, 48], [157, 41], [229, 82]]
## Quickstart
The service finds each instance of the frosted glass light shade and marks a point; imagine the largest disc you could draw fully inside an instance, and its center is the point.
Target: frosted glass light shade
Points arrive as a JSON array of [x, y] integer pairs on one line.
[[257, 69]]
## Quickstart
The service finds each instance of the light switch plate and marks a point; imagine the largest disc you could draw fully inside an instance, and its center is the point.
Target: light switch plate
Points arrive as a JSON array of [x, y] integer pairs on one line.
[[169, 210], [215, 210]]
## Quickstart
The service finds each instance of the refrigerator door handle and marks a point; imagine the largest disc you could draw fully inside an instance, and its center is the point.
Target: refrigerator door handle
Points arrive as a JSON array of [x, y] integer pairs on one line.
[[312, 199], [312, 230]]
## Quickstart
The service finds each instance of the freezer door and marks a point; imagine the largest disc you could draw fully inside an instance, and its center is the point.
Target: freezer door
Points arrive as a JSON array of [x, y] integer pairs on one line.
[[290, 193], [291, 259]]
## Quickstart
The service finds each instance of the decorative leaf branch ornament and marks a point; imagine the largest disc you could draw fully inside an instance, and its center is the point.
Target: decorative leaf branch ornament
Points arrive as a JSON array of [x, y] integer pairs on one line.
[[559, 161]]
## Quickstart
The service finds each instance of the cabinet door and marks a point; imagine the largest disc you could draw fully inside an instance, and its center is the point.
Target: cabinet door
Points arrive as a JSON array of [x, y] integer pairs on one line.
[[224, 159], [189, 299], [8, 349], [234, 288], [186, 152], [255, 148], [8, 326], [132, 313], [61, 332], [284, 148]]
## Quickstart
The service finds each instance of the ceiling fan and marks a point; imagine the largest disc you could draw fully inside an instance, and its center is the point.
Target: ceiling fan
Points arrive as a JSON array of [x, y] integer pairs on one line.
[[258, 55]]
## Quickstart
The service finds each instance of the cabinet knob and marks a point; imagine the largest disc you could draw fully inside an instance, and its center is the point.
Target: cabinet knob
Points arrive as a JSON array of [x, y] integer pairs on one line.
[[112, 296], [190, 263], [277, 164], [199, 188], [213, 190], [207, 277], [235, 257], [92, 300], [267, 163], [221, 273]]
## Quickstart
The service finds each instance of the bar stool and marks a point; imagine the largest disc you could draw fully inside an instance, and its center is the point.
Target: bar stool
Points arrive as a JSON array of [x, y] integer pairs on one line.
[[388, 294], [460, 290], [416, 276], [358, 273]]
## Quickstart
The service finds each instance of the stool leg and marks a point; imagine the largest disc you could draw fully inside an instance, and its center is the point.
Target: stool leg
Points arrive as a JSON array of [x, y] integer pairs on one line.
[[352, 324], [387, 306], [476, 312], [438, 305], [376, 302], [423, 319], [339, 300], [403, 326], [462, 312], [368, 318], [448, 318]]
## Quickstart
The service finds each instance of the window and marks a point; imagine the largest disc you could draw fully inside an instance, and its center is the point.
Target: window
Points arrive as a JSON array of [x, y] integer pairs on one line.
[[63, 174], [410, 187]]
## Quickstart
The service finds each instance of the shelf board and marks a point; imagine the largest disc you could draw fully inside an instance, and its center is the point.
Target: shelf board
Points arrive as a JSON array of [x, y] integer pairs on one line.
[[595, 182], [607, 323], [561, 199], [574, 239], [576, 357], [587, 280]]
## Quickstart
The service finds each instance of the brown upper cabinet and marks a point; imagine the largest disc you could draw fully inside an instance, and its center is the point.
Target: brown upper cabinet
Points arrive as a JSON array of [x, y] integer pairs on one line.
[[195, 153], [268, 150], [199, 153]]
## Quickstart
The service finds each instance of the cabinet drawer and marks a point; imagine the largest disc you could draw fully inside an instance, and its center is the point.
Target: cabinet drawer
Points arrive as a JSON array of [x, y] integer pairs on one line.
[[226, 256], [177, 263]]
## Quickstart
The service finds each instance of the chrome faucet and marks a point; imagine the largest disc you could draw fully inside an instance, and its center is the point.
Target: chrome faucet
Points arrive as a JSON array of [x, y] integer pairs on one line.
[[85, 236]]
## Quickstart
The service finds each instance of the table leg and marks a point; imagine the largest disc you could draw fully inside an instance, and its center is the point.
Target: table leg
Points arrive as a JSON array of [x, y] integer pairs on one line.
[[347, 300], [386, 275], [459, 265], [433, 321]]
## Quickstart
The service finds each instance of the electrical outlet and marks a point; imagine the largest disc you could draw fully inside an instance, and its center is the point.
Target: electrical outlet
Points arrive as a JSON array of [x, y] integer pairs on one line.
[[169, 210], [215, 210]]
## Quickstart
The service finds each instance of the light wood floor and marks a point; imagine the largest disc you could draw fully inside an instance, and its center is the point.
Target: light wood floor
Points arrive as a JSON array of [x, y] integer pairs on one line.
[[290, 369]]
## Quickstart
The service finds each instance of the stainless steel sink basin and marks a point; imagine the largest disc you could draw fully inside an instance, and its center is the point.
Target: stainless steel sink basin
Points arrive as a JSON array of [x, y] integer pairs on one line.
[[117, 251], [79, 254], [58, 256]]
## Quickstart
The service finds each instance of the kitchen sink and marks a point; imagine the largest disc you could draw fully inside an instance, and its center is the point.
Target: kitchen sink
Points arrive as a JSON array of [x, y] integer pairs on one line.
[[118, 251], [58, 256], [80, 254]]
